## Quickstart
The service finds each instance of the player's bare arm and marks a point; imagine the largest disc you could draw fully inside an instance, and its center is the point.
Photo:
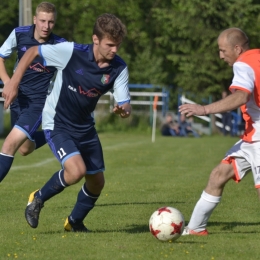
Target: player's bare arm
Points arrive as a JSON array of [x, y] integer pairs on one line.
[[11, 89], [231, 102], [3, 73], [124, 110]]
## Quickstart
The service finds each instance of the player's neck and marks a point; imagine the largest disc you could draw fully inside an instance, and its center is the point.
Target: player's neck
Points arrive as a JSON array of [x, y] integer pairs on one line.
[[40, 39], [102, 62]]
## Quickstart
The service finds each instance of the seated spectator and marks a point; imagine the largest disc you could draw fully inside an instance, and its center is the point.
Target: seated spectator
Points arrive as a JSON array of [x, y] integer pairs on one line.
[[170, 127], [186, 127]]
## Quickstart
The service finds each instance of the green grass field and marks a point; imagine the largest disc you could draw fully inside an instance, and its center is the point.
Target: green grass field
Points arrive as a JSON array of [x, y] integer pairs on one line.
[[140, 177]]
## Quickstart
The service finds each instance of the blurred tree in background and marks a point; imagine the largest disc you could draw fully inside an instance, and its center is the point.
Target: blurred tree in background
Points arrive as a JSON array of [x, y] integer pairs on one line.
[[171, 43]]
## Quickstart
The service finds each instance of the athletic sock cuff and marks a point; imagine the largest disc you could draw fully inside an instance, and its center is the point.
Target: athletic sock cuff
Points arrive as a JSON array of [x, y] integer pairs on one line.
[[62, 180], [210, 198], [7, 155], [88, 193]]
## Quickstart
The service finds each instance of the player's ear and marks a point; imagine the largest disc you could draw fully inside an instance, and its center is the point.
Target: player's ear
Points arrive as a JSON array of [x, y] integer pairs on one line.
[[238, 50], [34, 20], [95, 39]]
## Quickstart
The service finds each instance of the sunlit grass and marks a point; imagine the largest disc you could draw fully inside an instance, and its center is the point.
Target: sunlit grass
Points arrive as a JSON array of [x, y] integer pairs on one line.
[[140, 177]]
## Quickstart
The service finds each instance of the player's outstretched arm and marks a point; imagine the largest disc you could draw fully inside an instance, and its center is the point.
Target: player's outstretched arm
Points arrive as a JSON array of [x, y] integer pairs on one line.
[[231, 102], [11, 88], [123, 110]]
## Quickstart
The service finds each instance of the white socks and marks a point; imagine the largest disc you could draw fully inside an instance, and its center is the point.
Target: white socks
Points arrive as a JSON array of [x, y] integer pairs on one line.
[[202, 211]]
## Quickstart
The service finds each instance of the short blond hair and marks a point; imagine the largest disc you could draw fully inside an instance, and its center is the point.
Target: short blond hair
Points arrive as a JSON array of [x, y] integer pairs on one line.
[[47, 8]]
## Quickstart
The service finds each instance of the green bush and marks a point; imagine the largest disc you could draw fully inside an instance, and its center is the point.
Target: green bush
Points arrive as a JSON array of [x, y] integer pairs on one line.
[[112, 122]]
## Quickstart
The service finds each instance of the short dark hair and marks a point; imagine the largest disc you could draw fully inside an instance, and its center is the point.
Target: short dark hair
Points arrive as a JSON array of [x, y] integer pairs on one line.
[[108, 25]]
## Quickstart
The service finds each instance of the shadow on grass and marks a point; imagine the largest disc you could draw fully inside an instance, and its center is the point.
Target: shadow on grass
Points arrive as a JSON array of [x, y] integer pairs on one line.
[[137, 229], [161, 204], [229, 226]]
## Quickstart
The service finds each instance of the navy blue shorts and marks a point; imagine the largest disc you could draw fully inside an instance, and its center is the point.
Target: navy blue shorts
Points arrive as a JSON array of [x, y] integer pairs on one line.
[[26, 116], [64, 145]]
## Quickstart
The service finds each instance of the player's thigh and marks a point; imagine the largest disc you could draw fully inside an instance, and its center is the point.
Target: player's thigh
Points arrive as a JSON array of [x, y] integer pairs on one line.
[[221, 174], [13, 141], [244, 156], [92, 153], [66, 150], [29, 120], [74, 169]]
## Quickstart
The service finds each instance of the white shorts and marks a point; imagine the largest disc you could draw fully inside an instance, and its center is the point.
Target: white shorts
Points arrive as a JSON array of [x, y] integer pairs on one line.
[[244, 157]]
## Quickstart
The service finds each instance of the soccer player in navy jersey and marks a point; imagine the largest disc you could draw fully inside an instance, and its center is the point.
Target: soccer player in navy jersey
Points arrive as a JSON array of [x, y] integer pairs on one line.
[[85, 73], [26, 110]]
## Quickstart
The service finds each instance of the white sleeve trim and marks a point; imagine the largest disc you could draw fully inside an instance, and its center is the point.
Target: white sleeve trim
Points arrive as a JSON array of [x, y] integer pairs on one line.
[[121, 90], [57, 55], [8, 46], [244, 76]]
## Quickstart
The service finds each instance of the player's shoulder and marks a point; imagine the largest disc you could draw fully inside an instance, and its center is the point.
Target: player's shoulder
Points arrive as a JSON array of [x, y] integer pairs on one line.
[[58, 39], [23, 29], [81, 47], [119, 62]]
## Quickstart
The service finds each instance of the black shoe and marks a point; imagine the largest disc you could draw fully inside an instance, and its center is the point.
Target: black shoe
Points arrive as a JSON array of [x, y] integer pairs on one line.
[[75, 227], [33, 210]]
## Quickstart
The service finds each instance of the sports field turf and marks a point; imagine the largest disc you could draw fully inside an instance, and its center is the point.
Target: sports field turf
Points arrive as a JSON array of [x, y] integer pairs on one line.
[[140, 177]]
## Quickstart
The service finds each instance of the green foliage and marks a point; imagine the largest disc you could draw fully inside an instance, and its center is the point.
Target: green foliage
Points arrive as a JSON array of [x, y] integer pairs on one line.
[[110, 122], [188, 31], [169, 43], [141, 176]]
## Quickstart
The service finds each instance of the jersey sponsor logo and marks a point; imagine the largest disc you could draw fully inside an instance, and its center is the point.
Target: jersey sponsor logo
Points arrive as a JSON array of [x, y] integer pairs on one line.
[[38, 67], [23, 49], [71, 88], [80, 71], [90, 93], [105, 79]]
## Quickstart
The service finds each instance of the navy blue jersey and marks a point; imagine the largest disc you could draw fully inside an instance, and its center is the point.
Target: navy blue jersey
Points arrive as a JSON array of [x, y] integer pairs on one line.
[[79, 84], [36, 80]]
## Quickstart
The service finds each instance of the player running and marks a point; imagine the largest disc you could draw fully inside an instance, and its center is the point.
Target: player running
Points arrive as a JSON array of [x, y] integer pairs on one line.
[[26, 109], [85, 73]]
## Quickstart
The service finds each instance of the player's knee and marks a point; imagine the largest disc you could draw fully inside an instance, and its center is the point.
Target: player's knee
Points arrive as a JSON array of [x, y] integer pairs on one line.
[[95, 182], [26, 148], [76, 174], [100, 185], [24, 151]]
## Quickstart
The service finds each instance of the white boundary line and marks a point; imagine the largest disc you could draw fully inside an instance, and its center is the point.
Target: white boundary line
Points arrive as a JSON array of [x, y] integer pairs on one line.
[[39, 164]]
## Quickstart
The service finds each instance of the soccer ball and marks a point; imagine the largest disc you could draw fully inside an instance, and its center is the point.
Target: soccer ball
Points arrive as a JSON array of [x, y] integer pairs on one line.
[[166, 224]]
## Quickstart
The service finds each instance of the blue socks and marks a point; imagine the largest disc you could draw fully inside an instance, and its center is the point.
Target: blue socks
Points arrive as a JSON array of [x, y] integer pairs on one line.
[[54, 186], [39, 139], [85, 202], [5, 164]]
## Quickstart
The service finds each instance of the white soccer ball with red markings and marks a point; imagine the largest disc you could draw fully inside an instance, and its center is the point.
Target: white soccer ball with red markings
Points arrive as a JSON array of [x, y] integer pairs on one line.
[[166, 224]]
